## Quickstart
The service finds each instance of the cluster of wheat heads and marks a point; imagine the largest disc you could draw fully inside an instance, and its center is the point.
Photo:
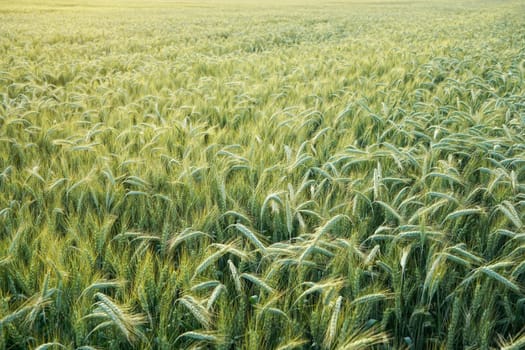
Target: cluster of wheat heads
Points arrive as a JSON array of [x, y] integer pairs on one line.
[[239, 176]]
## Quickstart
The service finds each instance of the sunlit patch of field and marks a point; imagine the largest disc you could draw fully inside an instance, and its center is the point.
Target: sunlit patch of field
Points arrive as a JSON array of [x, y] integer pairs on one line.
[[232, 174]]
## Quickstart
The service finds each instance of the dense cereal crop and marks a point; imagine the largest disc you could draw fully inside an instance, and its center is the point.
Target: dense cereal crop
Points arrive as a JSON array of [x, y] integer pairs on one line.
[[262, 174]]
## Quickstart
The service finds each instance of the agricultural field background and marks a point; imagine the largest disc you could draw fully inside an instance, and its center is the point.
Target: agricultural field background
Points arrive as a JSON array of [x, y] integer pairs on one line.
[[262, 175]]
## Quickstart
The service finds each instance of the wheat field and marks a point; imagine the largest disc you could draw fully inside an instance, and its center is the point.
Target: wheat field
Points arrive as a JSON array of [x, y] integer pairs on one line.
[[229, 174]]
